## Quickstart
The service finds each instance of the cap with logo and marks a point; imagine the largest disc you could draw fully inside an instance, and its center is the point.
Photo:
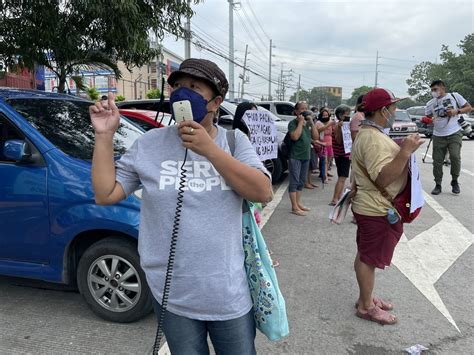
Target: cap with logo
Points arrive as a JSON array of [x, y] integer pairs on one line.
[[377, 98], [205, 70]]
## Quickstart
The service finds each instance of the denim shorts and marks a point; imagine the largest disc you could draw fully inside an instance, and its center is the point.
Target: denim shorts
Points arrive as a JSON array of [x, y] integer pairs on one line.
[[298, 174], [187, 336]]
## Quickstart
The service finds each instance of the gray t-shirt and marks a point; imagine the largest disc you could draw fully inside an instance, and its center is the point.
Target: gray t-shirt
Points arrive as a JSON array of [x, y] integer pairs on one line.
[[209, 280]]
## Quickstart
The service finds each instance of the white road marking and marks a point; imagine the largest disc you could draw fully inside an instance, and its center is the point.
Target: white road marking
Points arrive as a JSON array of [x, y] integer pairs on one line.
[[270, 208], [267, 213], [425, 258], [465, 171]]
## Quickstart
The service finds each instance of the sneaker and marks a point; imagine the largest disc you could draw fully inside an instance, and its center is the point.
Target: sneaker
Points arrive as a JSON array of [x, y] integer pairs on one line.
[[436, 190], [456, 190]]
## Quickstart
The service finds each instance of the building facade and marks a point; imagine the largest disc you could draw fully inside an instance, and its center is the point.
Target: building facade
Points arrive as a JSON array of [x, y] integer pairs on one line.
[[334, 90], [134, 83]]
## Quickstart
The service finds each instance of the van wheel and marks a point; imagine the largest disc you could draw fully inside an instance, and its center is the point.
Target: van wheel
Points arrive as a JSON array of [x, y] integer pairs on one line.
[[110, 279]]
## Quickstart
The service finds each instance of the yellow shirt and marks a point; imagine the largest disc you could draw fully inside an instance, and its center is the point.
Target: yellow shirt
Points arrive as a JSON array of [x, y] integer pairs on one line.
[[373, 150]]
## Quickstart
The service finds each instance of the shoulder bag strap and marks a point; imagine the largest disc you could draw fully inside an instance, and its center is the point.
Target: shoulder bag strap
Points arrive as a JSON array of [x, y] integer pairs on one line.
[[231, 140], [380, 188]]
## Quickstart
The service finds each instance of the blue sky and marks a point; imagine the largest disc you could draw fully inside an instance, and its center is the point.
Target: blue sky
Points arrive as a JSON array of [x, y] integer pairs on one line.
[[330, 42]]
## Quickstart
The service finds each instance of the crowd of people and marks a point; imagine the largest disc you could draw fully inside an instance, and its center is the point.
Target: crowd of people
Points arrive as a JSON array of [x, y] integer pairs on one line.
[[210, 293]]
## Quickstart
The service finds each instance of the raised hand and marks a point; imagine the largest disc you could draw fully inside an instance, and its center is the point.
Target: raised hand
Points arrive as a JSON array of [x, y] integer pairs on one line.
[[105, 116], [411, 143]]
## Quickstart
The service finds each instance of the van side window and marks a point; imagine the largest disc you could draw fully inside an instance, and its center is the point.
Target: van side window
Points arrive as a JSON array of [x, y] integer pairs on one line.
[[267, 106], [7, 132], [284, 109]]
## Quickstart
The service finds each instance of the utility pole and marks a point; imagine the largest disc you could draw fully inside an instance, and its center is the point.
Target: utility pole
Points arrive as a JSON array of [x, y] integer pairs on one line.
[[243, 73], [231, 49], [282, 85], [377, 69], [270, 73], [187, 41], [298, 90]]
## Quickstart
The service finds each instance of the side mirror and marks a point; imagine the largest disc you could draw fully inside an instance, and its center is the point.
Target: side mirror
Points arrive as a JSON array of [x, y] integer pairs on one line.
[[16, 150]]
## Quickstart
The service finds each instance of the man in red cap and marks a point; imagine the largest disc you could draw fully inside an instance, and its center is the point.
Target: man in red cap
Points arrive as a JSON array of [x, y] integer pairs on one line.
[[378, 163]]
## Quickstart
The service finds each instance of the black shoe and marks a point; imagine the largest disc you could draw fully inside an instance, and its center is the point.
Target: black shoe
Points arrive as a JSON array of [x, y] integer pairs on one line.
[[436, 190], [456, 190]]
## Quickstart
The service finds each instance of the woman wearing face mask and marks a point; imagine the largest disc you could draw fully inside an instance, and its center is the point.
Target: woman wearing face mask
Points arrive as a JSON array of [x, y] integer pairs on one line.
[[209, 293], [325, 127], [376, 159]]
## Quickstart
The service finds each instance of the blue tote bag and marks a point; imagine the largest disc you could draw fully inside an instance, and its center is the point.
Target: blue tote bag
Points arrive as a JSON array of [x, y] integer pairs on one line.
[[268, 302]]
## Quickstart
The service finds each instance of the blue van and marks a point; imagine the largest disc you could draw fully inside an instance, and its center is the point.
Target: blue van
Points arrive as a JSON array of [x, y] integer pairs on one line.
[[50, 227]]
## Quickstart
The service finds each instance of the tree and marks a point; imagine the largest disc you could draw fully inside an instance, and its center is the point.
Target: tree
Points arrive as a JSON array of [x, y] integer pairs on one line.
[[93, 93], [456, 70], [153, 94], [318, 97], [119, 98], [68, 35], [362, 90]]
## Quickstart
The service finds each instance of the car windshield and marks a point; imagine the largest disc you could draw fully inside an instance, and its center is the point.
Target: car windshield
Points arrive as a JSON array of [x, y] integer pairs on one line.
[[66, 124], [402, 116]]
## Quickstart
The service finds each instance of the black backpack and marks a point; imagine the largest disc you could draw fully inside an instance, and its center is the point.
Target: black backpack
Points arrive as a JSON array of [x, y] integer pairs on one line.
[[286, 146]]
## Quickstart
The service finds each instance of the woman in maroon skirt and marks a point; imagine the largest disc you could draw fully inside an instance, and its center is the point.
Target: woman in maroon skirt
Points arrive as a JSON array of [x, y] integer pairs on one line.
[[376, 159]]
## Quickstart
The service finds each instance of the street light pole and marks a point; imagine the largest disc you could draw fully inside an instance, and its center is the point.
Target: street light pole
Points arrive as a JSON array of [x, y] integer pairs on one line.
[[243, 73], [231, 49], [376, 69], [270, 73], [187, 42]]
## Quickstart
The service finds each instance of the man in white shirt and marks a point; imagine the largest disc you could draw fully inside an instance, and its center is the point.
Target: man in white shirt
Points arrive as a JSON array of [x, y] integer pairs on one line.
[[447, 133]]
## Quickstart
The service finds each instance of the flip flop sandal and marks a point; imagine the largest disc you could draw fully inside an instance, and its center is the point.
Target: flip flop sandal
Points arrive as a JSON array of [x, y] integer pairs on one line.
[[305, 209], [275, 263], [331, 204], [299, 213], [314, 185], [380, 303], [309, 187], [378, 315]]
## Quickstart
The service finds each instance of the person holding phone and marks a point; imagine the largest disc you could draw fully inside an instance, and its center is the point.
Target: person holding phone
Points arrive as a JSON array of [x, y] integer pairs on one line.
[[209, 294], [302, 131]]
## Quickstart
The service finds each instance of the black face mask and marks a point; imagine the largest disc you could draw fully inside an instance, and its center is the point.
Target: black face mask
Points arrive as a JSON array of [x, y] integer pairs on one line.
[[346, 118], [324, 120]]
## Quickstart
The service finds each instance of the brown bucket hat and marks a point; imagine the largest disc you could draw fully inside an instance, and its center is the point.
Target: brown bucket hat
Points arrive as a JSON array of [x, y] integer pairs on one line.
[[202, 69]]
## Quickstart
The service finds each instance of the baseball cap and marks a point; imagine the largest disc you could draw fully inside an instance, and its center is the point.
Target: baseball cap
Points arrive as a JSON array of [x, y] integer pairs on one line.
[[202, 69], [377, 98]]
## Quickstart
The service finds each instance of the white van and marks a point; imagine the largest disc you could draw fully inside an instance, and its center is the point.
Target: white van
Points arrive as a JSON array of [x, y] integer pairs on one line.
[[282, 109]]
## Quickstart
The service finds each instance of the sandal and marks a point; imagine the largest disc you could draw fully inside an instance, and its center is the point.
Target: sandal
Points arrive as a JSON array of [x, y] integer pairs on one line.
[[309, 187], [380, 303], [314, 185], [298, 213], [305, 209], [275, 263], [378, 315]]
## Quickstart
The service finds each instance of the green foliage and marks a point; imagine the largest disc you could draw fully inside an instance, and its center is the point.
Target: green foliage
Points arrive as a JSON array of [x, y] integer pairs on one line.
[[93, 93], [318, 97], [362, 90], [67, 35], [457, 70], [153, 94], [119, 98]]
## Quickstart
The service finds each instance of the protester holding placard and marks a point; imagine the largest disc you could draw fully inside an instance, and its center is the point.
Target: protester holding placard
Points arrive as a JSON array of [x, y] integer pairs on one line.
[[380, 168], [342, 143]]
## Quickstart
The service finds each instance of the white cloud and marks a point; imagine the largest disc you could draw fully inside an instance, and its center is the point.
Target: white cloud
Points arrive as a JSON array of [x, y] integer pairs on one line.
[[333, 42]]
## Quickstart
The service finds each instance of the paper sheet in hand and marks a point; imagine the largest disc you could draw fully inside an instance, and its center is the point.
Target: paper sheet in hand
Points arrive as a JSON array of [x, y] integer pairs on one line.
[[417, 199], [263, 133], [347, 137], [338, 213]]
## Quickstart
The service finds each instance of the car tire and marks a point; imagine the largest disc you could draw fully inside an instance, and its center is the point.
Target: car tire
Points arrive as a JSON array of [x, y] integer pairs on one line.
[[428, 135], [121, 297]]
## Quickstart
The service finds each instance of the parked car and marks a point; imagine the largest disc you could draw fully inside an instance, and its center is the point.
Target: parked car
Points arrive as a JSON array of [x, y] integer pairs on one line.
[[147, 119], [282, 109], [417, 115], [50, 227], [403, 125], [226, 117]]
